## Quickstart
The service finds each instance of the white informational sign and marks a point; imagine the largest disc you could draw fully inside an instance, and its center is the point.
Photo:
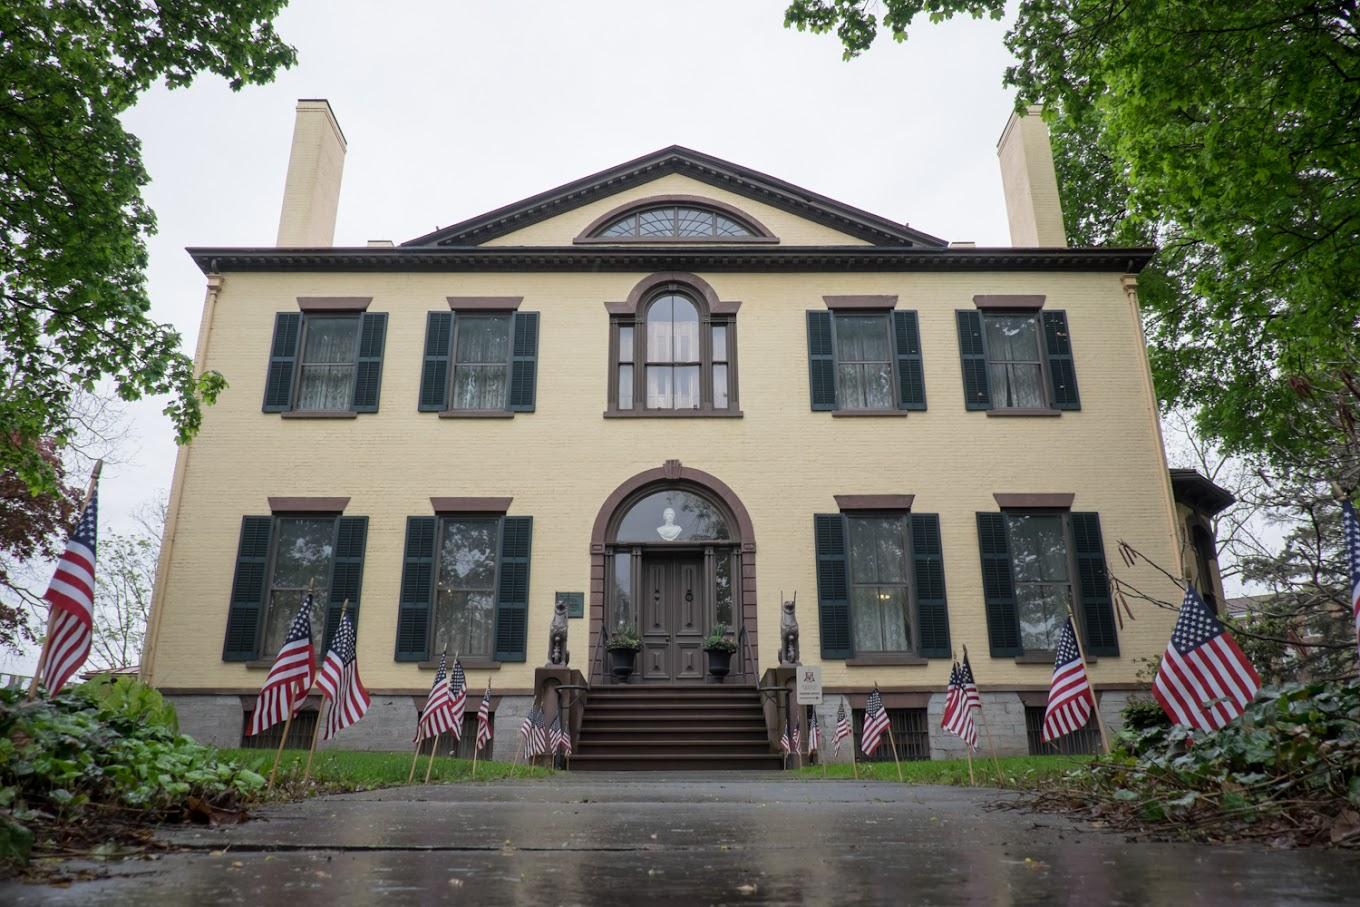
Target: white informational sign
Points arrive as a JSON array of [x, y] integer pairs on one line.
[[809, 686]]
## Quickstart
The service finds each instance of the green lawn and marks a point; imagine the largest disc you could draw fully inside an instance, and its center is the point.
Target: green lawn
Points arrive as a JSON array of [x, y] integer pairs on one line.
[[1020, 772], [343, 770]]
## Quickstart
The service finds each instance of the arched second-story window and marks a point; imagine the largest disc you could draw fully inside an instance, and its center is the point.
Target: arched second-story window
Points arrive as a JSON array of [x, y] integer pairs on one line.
[[673, 355], [676, 219]]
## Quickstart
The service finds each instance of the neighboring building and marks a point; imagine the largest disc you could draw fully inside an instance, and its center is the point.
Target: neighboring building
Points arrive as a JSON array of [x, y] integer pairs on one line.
[[677, 388]]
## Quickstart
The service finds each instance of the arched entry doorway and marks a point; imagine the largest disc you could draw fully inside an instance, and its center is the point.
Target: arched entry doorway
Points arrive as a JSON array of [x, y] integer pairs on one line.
[[673, 554]]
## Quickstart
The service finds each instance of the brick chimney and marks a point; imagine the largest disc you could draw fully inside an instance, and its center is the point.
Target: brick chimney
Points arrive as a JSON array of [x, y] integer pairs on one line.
[[311, 193], [1032, 204]]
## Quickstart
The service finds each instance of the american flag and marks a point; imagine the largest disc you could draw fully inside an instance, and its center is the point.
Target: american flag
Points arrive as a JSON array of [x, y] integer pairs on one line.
[[970, 690], [484, 719], [526, 730], [785, 745], [1069, 696], [814, 733], [843, 730], [339, 681], [1205, 680], [70, 599], [457, 699], [539, 741], [875, 724], [958, 712], [291, 677], [1351, 529], [797, 737], [558, 738], [437, 716]]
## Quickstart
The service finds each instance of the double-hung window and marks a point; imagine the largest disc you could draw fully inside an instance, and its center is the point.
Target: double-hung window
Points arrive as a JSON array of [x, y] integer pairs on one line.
[[325, 362], [1039, 565], [1017, 361], [865, 361], [673, 357], [279, 559], [465, 593], [480, 361], [880, 584]]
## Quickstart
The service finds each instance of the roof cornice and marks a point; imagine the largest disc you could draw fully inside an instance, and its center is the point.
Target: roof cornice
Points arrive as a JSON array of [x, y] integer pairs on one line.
[[577, 258], [705, 168]]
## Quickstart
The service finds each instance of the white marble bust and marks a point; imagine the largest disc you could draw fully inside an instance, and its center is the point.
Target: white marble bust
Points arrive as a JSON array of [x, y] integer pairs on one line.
[[670, 532]]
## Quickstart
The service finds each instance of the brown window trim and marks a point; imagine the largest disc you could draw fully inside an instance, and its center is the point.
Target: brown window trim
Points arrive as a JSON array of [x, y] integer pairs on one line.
[[1003, 413], [892, 699], [471, 505], [334, 303], [762, 233], [319, 414], [867, 413], [846, 502], [712, 313], [854, 303], [1059, 500], [476, 664], [307, 505], [475, 414], [1045, 657], [484, 303], [1013, 303]]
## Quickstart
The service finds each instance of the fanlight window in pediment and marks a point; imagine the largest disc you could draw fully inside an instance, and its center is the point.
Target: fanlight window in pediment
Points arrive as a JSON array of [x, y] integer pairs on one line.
[[676, 222]]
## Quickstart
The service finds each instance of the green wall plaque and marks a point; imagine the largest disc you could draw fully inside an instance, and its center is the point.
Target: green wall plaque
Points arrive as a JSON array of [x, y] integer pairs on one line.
[[575, 601]]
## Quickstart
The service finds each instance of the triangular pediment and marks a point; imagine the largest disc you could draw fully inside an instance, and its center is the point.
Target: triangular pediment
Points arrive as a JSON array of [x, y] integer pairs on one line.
[[775, 211]]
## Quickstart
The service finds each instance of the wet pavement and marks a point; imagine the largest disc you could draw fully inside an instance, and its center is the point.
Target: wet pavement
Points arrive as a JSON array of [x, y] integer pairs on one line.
[[691, 839]]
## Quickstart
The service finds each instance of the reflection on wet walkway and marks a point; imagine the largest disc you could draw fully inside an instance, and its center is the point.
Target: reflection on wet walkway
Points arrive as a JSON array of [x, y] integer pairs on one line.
[[693, 839]]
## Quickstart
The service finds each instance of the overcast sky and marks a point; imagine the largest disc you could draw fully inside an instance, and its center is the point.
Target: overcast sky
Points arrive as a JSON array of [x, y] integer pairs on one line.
[[452, 108]]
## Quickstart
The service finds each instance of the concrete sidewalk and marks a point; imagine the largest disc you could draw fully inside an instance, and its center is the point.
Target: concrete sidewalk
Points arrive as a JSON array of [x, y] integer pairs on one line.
[[692, 839]]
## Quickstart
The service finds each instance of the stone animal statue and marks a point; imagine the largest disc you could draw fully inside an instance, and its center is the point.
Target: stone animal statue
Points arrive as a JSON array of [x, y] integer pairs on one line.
[[788, 633], [557, 636]]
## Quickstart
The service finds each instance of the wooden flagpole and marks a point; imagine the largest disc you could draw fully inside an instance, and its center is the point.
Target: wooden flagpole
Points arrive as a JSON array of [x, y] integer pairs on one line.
[[968, 751], [987, 729], [47, 638], [475, 747], [316, 732], [1090, 685], [434, 751], [415, 757], [891, 741], [279, 755]]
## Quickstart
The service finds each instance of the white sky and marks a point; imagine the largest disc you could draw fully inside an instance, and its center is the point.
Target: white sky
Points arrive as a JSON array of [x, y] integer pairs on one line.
[[453, 108]]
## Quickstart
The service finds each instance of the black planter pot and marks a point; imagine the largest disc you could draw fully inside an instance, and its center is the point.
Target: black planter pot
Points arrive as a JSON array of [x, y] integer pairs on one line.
[[719, 663], [621, 662]]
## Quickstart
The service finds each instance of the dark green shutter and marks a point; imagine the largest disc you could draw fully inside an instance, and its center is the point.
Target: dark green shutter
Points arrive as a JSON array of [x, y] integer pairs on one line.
[[368, 373], [512, 598], [833, 585], [932, 612], [977, 390], [247, 589], [278, 382], [1062, 372], [1094, 582], [417, 590], [347, 573], [821, 361], [434, 371], [524, 362], [911, 379], [998, 590]]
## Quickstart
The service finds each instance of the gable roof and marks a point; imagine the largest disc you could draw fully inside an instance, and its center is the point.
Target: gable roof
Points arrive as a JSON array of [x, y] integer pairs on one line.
[[676, 159]]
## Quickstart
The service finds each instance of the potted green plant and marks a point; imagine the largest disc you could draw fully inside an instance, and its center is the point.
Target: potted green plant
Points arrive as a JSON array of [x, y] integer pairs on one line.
[[720, 645], [623, 646]]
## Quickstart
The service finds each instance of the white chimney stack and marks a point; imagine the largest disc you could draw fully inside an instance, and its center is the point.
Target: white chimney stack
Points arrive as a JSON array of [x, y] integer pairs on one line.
[[1032, 204], [311, 193]]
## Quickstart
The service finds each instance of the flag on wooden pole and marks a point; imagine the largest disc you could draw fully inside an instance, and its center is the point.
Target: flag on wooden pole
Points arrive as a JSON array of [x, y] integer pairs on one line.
[[958, 710], [484, 719], [291, 676], [70, 600], [1205, 679], [814, 733], [843, 729], [875, 723], [437, 716], [1070, 701], [457, 699], [340, 683], [526, 731]]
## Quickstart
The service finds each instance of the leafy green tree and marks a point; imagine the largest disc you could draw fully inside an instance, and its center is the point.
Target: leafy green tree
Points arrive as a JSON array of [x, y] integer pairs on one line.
[[1223, 131], [73, 224]]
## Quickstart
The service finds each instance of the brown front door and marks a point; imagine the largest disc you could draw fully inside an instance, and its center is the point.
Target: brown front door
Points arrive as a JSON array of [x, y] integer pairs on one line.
[[674, 609]]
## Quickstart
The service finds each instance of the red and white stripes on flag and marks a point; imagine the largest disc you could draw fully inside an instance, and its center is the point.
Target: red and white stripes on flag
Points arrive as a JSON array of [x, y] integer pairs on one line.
[[484, 719], [339, 681], [958, 710], [437, 716], [814, 733], [70, 599], [1069, 697], [1205, 680], [875, 723], [1350, 528], [291, 676], [843, 729], [457, 698]]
